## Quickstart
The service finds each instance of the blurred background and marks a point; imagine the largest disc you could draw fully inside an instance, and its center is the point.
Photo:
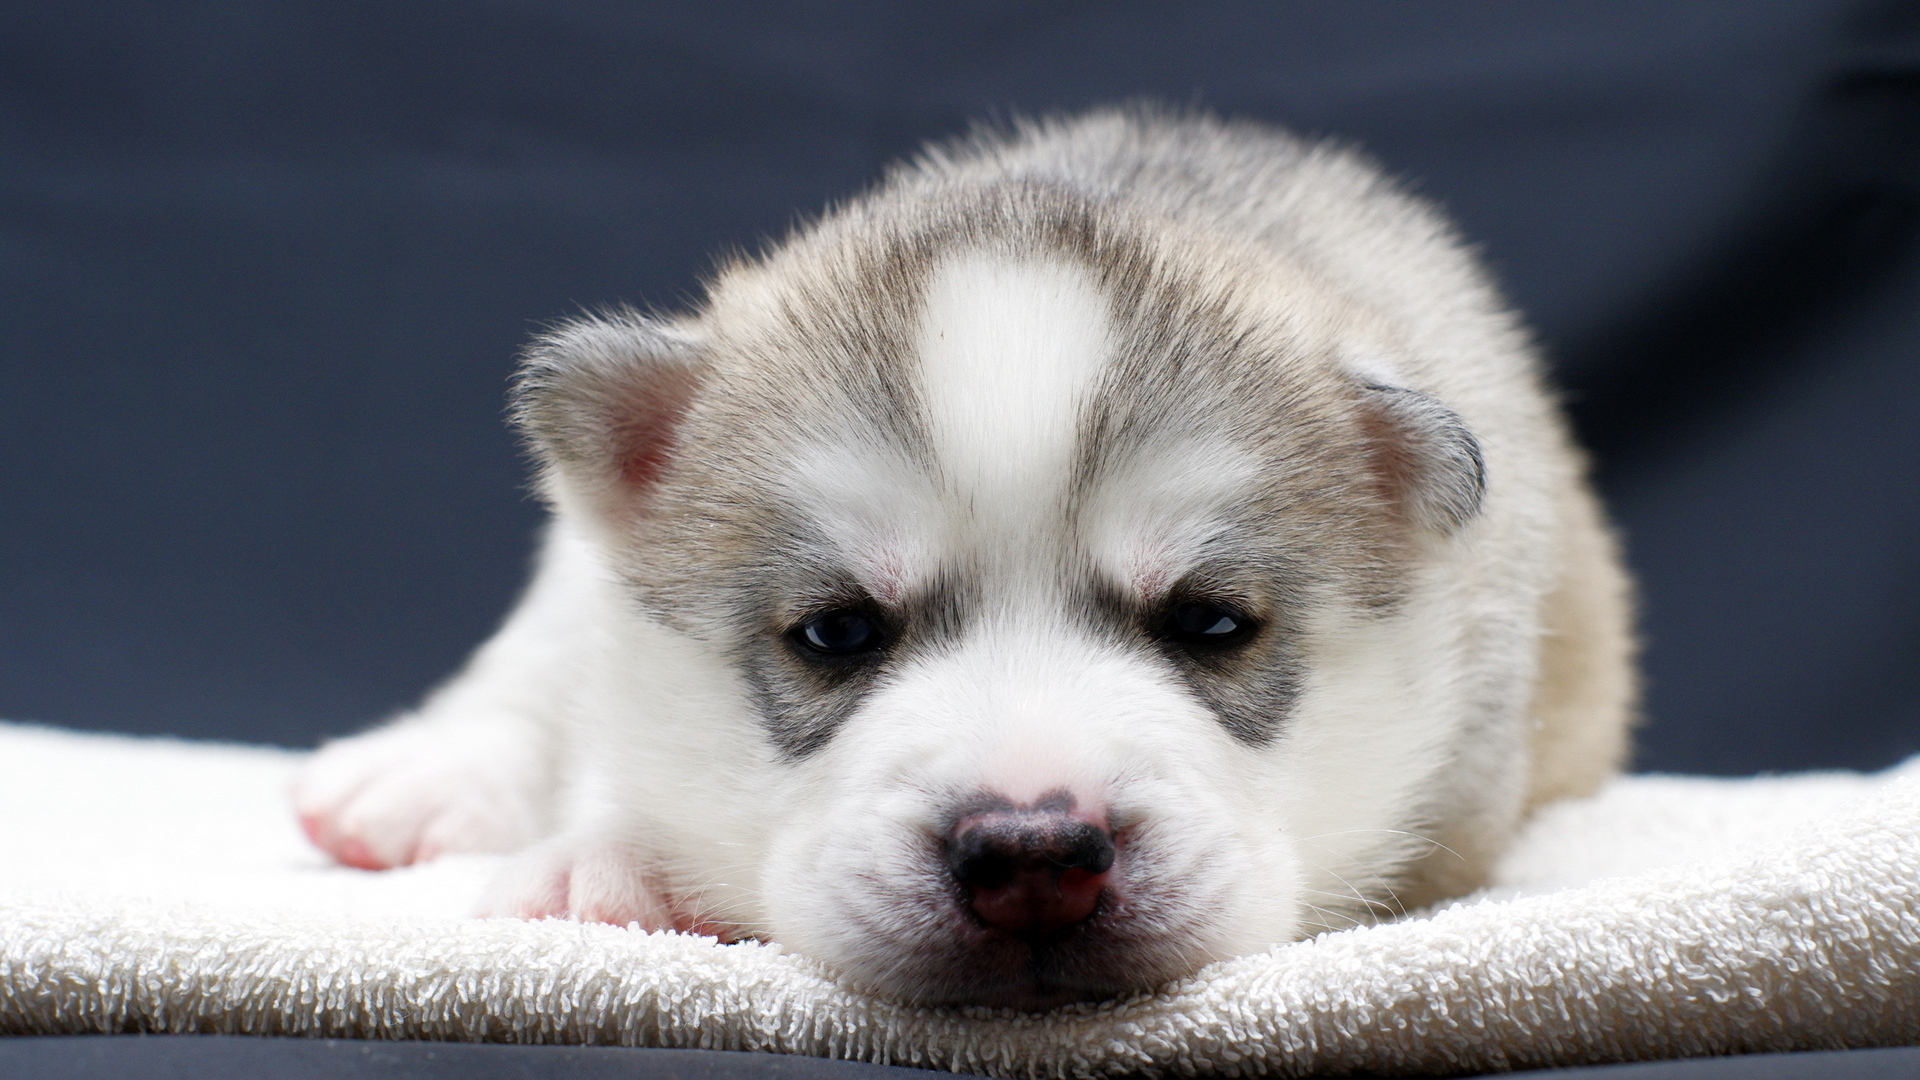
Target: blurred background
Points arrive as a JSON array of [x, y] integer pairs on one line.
[[264, 267]]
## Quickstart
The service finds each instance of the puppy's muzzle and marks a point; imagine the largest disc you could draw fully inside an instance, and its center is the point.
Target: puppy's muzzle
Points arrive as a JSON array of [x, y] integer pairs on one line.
[[1030, 871]]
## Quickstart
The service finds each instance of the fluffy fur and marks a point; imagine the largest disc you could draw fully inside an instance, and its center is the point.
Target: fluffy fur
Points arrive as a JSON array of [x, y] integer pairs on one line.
[[1015, 409]]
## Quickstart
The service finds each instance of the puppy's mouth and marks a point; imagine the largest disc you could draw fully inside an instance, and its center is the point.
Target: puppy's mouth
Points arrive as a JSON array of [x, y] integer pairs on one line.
[[1026, 907], [1126, 943], [1038, 968]]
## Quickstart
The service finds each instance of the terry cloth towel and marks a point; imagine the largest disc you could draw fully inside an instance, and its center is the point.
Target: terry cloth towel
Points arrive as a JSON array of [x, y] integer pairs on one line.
[[150, 885]]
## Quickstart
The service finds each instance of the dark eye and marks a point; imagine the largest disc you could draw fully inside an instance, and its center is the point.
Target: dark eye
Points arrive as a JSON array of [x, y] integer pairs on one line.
[[1202, 623], [838, 633]]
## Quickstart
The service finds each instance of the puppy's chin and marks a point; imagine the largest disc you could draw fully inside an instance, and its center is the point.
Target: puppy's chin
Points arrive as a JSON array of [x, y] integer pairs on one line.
[[990, 968], [916, 941], [964, 963]]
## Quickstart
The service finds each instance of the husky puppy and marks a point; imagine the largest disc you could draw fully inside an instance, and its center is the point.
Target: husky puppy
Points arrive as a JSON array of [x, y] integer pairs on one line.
[[1107, 546]]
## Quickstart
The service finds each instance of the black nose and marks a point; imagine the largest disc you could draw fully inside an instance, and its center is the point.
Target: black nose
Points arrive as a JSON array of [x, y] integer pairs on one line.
[[1030, 871]]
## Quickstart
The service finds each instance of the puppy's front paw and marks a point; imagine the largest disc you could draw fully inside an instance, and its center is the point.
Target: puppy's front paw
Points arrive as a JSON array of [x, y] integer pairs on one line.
[[406, 793], [591, 881]]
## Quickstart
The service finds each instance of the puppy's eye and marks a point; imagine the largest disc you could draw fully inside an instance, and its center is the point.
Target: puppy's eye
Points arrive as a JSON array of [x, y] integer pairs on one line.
[[838, 633], [1206, 624]]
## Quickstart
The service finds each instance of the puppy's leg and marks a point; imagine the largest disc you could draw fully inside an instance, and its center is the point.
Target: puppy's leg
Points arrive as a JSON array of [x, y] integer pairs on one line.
[[475, 768], [602, 864], [594, 876], [583, 877]]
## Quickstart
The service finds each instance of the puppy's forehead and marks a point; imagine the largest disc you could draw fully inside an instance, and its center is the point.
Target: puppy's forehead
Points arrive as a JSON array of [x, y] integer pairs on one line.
[[1006, 356]]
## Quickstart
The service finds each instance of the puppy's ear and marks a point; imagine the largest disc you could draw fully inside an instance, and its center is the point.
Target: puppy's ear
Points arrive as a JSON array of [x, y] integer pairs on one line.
[[602, 398], [1427, 461]]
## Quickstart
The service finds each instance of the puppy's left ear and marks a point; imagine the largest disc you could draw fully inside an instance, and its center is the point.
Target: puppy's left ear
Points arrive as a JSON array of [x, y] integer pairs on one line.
[[1425, 457], [601, 398]]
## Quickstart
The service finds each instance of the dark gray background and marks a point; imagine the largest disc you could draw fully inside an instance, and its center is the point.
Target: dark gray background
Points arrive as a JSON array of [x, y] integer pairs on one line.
[[264, 266]]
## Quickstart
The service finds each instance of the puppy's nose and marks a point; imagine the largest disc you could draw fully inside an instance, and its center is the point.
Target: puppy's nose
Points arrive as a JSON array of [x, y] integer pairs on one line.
[[1030, 871]]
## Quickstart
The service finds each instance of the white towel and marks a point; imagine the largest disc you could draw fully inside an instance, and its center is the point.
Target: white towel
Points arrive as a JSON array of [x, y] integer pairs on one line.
[[153, 885]]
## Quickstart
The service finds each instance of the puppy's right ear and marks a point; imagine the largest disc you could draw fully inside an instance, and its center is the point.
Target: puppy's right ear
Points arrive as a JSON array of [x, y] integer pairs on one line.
[[602, 398]]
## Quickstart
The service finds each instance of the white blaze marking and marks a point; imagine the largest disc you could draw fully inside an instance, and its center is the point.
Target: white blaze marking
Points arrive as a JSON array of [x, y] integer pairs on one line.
[[1008, 351]]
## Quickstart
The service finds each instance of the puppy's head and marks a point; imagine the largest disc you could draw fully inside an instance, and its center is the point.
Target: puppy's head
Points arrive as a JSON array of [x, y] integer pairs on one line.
[[1070, 573]]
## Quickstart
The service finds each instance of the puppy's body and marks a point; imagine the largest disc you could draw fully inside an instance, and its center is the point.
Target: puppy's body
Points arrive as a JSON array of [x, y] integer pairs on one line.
[[1101, 549]]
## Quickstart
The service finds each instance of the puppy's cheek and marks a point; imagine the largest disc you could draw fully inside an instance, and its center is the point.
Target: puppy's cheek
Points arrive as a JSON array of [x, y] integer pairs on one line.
[[833, 888]]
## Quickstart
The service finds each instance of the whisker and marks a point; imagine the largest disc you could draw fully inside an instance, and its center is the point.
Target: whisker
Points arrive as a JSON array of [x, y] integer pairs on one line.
[[1328, 926], [1396, 908], [1391, 832], [1370, 902], [1393, 906]]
